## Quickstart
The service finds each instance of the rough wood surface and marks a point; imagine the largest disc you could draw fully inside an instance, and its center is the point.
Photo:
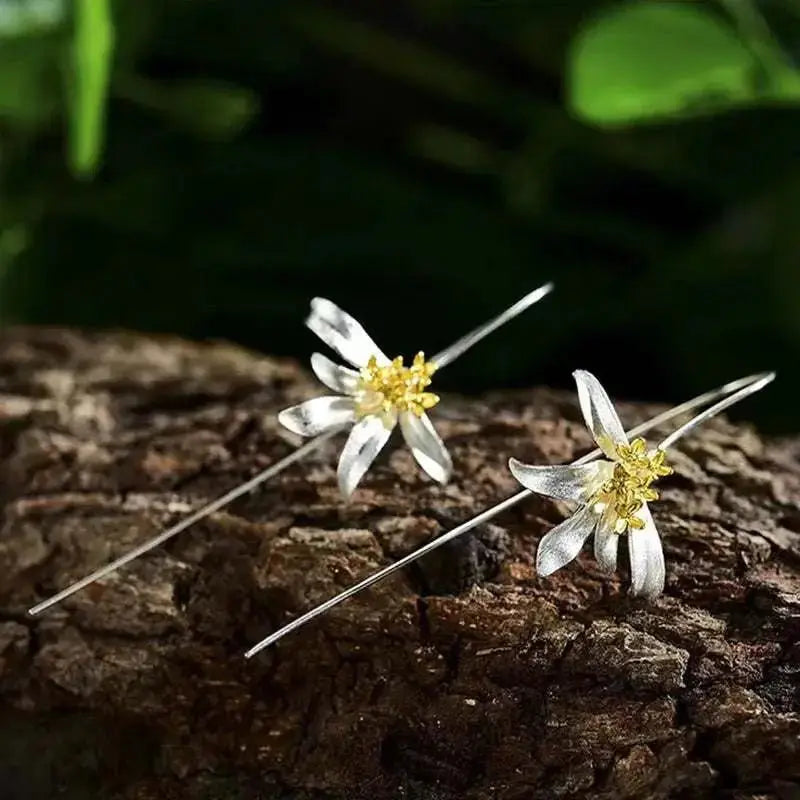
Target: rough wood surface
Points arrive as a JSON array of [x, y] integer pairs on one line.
[[467, 677]]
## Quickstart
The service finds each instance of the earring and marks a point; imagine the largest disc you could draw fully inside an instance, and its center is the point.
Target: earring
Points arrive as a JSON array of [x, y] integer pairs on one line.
[[371, 401], [612, 495]]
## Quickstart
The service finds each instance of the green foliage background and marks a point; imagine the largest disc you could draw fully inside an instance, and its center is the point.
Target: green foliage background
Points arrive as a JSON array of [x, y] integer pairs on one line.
[[205, 167]]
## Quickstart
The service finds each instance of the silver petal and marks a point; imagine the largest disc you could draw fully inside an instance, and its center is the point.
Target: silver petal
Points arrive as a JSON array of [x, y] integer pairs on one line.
[[606, 541], [343, 333], [565, 482], [599, 413], [426, 446], [646, 557], [334, 376], [318, 415], [365, 441], [565, 541]]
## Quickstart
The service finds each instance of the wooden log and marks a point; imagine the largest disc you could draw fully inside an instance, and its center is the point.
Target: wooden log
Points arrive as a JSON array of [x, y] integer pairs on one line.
[[465, 677]]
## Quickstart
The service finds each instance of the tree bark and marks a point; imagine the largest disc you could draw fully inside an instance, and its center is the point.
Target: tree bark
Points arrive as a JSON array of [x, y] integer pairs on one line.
[[465, 677]]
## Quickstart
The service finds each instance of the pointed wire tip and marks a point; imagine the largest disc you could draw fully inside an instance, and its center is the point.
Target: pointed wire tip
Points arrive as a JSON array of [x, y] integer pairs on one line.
[[255, 650], [762, 379], [34, 611], [527, 300], [271, 639], [538, 294], [731, 393], [201, 513], [463, 344]]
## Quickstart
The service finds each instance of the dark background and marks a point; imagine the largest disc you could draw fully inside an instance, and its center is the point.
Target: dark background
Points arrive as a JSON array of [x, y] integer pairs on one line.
[[422, 163]]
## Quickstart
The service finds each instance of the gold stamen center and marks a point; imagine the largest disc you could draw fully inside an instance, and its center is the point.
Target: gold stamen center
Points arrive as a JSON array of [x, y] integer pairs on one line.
[[395, 387], [630, 485]]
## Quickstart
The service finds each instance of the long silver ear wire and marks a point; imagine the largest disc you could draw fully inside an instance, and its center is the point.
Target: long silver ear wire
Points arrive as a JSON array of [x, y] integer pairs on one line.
[[381, 394], [731, 393]]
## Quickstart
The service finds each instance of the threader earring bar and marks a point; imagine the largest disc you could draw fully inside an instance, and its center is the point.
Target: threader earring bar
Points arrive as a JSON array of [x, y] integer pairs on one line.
[[732, 393], [441, 359]]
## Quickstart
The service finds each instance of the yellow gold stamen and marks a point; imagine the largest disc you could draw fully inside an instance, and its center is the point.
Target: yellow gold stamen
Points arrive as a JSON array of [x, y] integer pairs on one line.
[[394, 387], [629, 487]]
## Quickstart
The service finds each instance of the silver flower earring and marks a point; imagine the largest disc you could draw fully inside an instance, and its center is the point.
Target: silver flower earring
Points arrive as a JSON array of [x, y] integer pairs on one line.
[[611, 495], [370, 400]]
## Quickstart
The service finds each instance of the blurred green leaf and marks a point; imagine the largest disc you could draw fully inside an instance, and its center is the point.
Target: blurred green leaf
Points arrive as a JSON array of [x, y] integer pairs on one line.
[[29, 48], [29, 90], [653, 60], [784, 85], [211, 109], [92, 53], [26, 17]]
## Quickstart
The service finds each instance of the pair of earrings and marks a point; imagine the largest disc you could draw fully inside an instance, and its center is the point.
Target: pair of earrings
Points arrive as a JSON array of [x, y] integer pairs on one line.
[[611, 494]]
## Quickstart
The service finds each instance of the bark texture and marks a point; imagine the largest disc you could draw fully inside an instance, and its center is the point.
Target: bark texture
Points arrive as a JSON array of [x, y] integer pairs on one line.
[[466, 677]]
